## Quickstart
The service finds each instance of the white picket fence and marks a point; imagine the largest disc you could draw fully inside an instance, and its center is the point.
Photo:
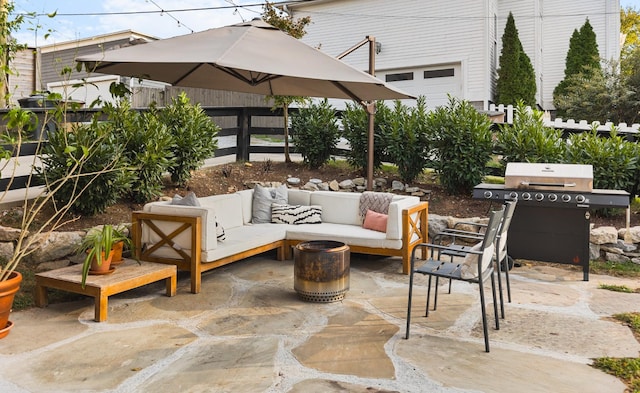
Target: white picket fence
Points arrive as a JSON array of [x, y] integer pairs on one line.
[[568, 124]]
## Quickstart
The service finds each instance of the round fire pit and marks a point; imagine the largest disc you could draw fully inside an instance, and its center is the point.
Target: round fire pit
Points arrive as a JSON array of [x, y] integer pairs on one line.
[[321, 270]]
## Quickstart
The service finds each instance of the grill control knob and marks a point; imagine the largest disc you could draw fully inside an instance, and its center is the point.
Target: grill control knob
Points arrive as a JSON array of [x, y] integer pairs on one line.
[[488, 194], [553, 197], [580, 198], [526, 196], [513, 195], [566, 198], [539, 197]]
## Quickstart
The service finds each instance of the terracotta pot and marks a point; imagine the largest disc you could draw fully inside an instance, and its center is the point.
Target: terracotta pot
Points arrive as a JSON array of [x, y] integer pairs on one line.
[[8, 291], [117, 254], [102, 268]]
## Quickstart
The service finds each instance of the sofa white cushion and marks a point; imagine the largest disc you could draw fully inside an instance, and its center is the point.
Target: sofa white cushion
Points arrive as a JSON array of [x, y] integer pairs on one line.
[[239, 239], [352, 235], [228, 208], [338, 207], [299, 197], [247, 201]]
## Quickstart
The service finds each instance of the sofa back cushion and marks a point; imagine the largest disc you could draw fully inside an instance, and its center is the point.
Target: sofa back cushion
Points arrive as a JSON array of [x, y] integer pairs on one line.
[[228, 208], [338, 207], [299, 197]]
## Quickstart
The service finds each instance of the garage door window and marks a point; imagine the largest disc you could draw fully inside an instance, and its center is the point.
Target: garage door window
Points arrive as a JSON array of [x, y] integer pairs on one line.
[[404, 76], [442, 73]]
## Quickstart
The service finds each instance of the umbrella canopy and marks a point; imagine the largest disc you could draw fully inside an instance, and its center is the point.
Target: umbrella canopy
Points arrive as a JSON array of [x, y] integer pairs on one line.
[[252, 57]]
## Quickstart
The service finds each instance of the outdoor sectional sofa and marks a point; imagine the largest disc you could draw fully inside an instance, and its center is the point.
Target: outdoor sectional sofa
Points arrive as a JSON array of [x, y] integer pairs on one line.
[[167, 233]]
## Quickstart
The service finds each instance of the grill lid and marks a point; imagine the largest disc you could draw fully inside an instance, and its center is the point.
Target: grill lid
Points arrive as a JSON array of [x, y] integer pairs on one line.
[[545, 176]]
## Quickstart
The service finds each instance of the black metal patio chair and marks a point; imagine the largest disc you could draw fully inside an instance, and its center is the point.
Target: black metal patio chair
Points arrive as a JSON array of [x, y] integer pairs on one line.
[[476, 268], [502, 259]]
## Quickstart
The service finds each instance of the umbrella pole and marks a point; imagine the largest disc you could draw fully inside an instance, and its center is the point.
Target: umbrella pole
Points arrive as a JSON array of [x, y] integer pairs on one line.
[[371, 110]]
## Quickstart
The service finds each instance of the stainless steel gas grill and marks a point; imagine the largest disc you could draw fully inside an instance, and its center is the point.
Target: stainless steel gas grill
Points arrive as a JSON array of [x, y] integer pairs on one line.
[[551, 221]]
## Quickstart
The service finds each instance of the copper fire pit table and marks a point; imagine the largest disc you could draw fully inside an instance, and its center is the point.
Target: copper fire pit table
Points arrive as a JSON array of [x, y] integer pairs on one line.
[[321, 270]]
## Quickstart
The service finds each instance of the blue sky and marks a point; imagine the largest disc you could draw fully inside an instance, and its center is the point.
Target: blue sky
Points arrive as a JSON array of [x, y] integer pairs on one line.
[[70, 27], [168, 24]]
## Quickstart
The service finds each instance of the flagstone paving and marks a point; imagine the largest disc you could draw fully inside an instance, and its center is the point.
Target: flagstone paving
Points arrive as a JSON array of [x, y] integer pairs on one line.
[[247, 331]]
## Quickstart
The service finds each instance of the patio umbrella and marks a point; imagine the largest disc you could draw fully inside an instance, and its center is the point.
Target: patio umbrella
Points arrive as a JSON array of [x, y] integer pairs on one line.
[[251, 57]]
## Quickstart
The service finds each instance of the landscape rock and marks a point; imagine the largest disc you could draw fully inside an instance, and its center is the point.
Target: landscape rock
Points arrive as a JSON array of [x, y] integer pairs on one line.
[[324, 186], [603, 235], [397, 185], [8, 234], [315, 181], [310, 186], [411, 189], [294, 181], [634, 231], [380, 182], [334, 185], [360, 181], [346, 184], [6, 250], [616, 258], [55, 245]]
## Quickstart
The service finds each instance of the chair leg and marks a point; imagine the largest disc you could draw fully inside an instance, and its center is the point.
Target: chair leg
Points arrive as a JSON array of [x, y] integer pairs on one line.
[[498, 269], [426, 309], [484, 316], [435, 296], [508, 259], [495, 304], [406, 336]]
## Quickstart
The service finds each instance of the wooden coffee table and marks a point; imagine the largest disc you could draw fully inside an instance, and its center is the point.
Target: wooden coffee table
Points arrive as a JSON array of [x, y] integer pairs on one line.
[[128, 275]]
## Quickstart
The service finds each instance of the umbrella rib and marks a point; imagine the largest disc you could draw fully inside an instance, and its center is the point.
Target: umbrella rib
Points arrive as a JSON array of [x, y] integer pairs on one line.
[[347, 91], [254, 81], [186, 74]]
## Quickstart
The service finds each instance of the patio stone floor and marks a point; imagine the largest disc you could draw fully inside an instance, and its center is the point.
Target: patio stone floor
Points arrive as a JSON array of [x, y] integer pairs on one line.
[[247, 331]]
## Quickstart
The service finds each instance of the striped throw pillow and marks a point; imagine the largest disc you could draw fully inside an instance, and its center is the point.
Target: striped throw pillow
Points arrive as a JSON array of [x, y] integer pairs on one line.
[[295, 214]]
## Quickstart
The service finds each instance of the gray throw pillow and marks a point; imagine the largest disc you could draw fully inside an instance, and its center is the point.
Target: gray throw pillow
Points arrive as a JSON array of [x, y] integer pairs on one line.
[[189, 200], [263, 198]]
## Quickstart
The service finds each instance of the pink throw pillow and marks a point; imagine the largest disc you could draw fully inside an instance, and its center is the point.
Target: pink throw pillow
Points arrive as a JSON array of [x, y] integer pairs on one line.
[[375, 221]]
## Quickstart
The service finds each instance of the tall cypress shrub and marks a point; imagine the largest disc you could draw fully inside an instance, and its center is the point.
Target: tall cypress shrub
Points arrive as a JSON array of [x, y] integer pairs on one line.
[[516, 77], [582, 57]]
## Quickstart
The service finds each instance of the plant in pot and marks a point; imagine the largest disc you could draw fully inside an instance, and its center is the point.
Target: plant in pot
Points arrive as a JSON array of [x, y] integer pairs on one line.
[[121, 244], [98, 246]]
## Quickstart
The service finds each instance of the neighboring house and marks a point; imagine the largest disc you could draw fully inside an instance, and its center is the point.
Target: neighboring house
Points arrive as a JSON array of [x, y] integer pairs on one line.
[[435, 48], [56, 67], [86, 87]]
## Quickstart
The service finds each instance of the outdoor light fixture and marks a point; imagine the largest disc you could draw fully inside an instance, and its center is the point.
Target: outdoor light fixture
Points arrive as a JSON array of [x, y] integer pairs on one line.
[[378, 47]]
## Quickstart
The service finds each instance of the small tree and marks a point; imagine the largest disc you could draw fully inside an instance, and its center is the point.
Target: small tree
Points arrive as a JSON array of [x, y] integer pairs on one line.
[[194, 136], [582, 57], [316, 133], [294, 28], [462, 141], [516, 77]]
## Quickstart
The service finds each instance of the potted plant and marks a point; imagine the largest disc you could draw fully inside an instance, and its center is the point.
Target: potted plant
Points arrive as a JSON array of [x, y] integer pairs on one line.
[[98, 247], [122, 243]]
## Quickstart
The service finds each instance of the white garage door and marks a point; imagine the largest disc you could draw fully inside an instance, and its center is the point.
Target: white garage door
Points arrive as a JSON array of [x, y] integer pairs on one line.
[[433, 82]]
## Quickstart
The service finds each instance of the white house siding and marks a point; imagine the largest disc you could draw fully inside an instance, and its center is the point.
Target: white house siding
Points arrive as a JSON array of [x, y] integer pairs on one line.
[[22, 81], [419, 34], [545, 27], [415, 36]]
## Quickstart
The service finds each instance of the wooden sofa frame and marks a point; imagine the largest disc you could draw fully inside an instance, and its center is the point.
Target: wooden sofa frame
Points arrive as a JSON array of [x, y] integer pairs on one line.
[[411, 227]]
